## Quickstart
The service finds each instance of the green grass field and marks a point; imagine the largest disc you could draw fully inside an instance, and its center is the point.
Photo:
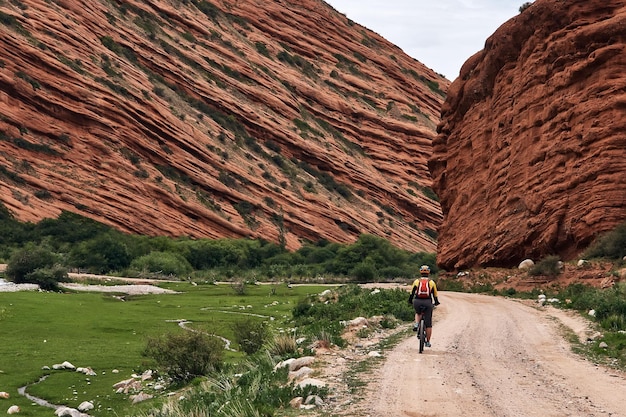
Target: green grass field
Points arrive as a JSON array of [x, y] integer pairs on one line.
[[100, 331]]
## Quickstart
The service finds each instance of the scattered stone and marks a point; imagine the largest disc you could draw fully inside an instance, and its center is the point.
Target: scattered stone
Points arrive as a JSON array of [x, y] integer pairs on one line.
[[124, 387], [14, 409], [142, 396], [374, 354], [592, 313], [603, 345], [87, 371], [296, 402], [581, 263], [315, 400], [4, 395]]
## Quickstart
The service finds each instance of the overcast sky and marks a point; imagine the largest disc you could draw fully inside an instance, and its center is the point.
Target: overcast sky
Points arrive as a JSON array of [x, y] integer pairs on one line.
[[441, 34]]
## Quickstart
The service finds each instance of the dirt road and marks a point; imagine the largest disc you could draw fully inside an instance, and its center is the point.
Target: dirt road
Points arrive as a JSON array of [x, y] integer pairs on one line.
[[494, 357]]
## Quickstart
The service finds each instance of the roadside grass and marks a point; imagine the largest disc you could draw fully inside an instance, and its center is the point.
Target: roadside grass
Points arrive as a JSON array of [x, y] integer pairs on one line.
[[107, 332]]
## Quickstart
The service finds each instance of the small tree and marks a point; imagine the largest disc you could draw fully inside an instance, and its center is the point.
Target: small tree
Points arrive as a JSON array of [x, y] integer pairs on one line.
[[250, 335], [525, 6], [186, 355], [36, 265]]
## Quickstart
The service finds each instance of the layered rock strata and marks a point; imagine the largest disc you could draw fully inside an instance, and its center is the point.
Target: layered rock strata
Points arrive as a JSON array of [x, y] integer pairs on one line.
[[264, 119], [530, 159]]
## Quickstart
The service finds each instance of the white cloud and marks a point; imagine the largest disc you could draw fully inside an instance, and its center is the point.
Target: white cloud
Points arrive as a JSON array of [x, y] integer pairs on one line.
[[441, 34]]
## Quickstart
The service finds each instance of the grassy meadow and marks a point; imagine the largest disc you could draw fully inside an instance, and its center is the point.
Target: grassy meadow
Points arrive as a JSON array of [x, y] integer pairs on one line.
[[106, 333]]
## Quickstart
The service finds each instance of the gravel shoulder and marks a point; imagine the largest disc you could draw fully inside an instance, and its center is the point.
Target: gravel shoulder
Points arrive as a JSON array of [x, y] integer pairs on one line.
[[493, 356]]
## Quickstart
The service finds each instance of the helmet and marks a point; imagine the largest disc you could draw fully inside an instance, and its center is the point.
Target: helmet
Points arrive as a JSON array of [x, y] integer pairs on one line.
[[425, 270]]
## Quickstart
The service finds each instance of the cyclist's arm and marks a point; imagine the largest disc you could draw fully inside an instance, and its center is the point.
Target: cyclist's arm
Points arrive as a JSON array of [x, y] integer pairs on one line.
[[433, 288]]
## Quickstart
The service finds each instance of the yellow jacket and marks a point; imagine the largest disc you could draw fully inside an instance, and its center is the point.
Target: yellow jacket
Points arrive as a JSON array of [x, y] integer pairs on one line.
[[431, 284]]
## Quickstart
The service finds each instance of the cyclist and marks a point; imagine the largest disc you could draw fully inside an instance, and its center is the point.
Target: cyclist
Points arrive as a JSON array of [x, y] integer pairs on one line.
[[424, 293]]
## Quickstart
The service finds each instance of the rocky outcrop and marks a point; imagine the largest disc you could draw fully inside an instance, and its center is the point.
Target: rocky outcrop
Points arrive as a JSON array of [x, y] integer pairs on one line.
[[277, 120], [530, 156]]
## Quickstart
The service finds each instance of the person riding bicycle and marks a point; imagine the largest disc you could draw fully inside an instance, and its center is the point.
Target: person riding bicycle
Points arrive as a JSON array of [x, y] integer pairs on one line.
[[424, 293]]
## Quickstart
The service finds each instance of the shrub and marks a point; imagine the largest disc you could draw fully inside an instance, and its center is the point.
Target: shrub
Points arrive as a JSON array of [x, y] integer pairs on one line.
[[25, 261], [611, 245], [250, 335], [525, 6], [549, 266], [48, 278], [186, 355], [163, 263]]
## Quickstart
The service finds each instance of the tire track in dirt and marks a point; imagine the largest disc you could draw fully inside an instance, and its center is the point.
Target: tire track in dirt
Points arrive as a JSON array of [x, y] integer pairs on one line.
[[493, 357]]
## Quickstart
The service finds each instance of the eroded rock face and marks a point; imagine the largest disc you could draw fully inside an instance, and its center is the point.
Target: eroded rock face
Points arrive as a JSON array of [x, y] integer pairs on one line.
[[530, 156], [273, 119]]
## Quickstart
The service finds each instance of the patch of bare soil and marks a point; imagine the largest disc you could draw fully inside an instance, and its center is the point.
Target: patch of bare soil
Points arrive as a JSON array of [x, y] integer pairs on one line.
[[491, 356]]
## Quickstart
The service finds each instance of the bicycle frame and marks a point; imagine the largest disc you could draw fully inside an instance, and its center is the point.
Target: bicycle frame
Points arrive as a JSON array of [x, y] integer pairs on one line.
[[421, 332]]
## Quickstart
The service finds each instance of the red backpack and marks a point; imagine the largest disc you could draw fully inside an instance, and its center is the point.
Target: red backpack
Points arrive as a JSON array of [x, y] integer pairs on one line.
[[423, 289]]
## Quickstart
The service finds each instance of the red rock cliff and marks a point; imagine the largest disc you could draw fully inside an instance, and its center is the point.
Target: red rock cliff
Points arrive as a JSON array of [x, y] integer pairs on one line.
[[530, 159], [268, 119]]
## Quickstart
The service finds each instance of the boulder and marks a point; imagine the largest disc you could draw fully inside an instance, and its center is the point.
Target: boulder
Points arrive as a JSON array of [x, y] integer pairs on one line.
[[300, 362], [526, 264], [303, 372], [296, 402], [142, 396], [4, 395], [14, 409], [85, 406]]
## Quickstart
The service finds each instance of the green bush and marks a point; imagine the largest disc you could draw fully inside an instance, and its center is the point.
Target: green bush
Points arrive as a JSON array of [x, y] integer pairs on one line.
[[548, 266], [26, 261], [186, 355], [611, 245], [101, 254], [250, 335], [48, 278], [163, 263]]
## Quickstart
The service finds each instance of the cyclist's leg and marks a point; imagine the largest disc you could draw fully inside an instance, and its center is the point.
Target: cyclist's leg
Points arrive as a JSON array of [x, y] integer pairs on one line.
[[428, 321], [417, 315]]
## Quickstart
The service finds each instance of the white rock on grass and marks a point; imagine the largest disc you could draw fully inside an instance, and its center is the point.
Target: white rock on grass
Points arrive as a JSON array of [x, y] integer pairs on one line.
[[4, 395], [85, 406], [313, 382], [14, 409]]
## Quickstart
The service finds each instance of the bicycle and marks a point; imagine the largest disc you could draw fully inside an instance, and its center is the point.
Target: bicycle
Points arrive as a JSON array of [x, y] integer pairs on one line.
[[421, 329]]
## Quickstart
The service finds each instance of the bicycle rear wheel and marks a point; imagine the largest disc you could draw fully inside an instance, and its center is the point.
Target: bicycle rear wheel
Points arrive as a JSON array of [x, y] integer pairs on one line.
[[422, 335]]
